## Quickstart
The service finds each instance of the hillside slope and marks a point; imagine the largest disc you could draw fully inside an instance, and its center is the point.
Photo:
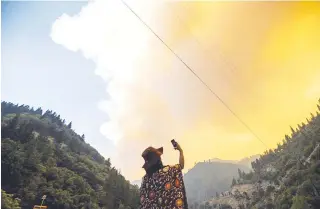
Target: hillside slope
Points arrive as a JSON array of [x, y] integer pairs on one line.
[[287, 177], [41, 155]]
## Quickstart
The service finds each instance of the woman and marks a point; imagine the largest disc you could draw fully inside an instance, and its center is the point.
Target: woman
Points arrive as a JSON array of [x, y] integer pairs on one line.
[[162, 187]]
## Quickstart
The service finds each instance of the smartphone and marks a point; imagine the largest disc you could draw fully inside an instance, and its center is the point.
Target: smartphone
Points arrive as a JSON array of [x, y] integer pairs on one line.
[[174, 143]]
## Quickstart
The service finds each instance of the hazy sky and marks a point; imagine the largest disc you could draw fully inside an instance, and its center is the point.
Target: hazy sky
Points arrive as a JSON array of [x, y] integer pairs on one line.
[[38, 72], [101, 68]]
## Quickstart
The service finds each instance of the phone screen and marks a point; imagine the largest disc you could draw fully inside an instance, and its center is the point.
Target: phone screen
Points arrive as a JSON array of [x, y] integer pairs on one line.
[[174, 143]]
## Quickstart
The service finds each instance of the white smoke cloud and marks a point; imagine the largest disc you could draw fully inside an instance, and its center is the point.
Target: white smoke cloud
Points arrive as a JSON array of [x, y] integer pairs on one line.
[[153, 97], [107, 33]]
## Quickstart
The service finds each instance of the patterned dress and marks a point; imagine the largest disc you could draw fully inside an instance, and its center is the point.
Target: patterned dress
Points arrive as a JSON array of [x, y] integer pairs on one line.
[[164, 189]]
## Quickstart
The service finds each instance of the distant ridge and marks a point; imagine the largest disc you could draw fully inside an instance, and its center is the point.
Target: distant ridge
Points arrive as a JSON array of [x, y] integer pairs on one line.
[[136, 182], [245, 161]]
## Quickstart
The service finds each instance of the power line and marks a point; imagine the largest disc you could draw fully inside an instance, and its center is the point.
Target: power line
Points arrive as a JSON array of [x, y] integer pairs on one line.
[[186, 65], [232, 69]]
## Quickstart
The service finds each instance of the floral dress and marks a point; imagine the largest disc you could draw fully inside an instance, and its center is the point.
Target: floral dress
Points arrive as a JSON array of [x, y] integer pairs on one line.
[[164, 189]]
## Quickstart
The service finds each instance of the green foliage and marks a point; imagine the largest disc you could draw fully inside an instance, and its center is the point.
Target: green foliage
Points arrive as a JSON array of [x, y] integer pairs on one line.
[[41, 155], [8, 202], [269, 189], [299, 202], [225, 206]]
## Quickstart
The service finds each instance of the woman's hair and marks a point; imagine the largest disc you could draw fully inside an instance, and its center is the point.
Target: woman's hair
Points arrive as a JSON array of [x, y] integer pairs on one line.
[[152, 158]]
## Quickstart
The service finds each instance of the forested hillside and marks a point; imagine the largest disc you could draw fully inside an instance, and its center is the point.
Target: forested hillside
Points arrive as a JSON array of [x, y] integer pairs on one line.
[[42, 155], [287, 177]]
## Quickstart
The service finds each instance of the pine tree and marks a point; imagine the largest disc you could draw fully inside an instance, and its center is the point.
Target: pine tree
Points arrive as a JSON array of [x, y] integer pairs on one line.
[[46, 114], [287, 138], [15, 121], [239, 173], [292, 130], [234, 182], [312, 116], [70, 125], [39, 111]]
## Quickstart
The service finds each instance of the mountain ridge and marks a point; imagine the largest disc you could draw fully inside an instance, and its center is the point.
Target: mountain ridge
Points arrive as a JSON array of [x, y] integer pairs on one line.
[[244, 161], [208, 178]]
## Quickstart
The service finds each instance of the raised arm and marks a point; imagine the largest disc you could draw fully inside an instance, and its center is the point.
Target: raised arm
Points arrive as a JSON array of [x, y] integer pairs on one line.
[[181, 157]]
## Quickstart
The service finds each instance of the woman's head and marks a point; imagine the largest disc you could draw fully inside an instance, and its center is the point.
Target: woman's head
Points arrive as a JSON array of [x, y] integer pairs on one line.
[[152, 159]]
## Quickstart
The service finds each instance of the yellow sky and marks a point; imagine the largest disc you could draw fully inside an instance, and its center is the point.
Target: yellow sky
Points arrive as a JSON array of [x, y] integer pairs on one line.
[[261, 58], [271, 79]]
